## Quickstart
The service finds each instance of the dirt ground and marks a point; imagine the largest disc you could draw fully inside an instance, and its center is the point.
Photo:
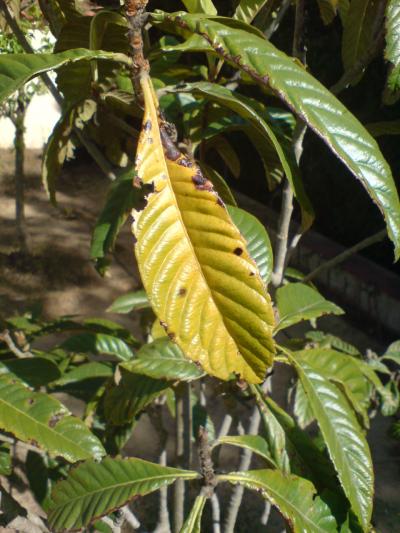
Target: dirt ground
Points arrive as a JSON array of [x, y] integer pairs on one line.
[[63, 280]]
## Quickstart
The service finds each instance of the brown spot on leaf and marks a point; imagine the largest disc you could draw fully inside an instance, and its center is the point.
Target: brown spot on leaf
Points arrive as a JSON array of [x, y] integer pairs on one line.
[[172, 336], [31, 401], [220, 202], [164, 325], [182, 291], [54, 419], [137, 182], [185, 162], [147, 125], [171, 151], [238, 251]]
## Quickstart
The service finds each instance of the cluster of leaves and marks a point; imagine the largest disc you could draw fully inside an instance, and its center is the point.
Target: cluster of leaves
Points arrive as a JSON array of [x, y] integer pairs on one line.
[[204, 262]]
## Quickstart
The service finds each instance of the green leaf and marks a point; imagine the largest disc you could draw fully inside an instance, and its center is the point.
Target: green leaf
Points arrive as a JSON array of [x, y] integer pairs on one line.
[[91, 370], [378, 129], [98, 343], [5, 459], [121, 198], [256, 236], [340, 368], [41, 419], [200, 6], [98, 26], [392, 353], [358, 31], [247, 10], [294, 496], [297, 302], [17, 69], [301, 408], [131, 301], [219, 183], [55, 152], [32, 371], [94, 489], [252, 112], [391, 400], [392, 50], [344, 439], [163, 359], [228, 155], [193, 522], [130, 396], [310, 100], [254, 443]]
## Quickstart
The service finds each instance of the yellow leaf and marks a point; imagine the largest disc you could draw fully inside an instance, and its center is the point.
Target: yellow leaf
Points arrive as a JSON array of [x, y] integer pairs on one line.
[[202, 284]]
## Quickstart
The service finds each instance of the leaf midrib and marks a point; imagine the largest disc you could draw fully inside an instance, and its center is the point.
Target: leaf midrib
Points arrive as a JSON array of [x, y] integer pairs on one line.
[[275, 493], [51, 430], [165, 477]]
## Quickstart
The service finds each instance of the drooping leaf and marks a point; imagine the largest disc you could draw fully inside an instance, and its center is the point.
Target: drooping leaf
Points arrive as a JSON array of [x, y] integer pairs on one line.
[[41, 419], [252, 112], [297, 302], [130, 301], [93, 489], [125, 400], [257, 239], [194, 262], [310, 100], [254, 443], [98, 343], [163, 359], [200, 6], [340, 368], [17, 69], [358, 31], [193, 522], [294, 496], [344, 439], [392, 50], [98, 26], [247, 10], [32, 371], [55, 152]]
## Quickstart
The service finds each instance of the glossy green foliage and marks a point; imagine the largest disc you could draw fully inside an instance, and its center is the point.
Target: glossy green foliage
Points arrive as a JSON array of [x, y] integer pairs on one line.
[[297, 302], [132, 301], [344, 439], [392, 51], [247, 10], [295, 498], [310, 100], [162, 359], [98, 343], [257, 239], [17, 69], [34, 372], [41, 419], [94, 489], [254, 443]]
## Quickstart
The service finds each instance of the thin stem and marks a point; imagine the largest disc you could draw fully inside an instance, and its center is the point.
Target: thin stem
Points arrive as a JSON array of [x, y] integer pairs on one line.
[[19, 144], [271, 29], [377, 237], [136, 17], [282, 235], [7, 339], [183, 424]]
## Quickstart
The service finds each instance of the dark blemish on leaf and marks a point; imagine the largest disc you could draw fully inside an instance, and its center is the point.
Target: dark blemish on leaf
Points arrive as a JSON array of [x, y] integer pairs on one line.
[[252, 273], [182, 291], [164, 325], [171, 151], [54, 419], [150, 140], [237, 59], [31, 401], [147, 125], [198, 178], [238, 251], [184, 162], [219, 49], [134, 238], [172, 336], [220, 202]]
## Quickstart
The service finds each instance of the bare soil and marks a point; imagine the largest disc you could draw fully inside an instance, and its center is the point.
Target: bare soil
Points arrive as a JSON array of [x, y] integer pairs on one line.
[[59, 275]]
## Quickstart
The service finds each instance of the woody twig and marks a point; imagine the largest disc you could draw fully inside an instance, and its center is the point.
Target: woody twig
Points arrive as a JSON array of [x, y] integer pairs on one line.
[[135, 11]]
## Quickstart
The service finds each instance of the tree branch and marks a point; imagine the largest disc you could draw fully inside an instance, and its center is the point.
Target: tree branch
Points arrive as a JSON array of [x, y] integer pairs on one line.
[[8, 340], [377, 237], [136, 17]]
